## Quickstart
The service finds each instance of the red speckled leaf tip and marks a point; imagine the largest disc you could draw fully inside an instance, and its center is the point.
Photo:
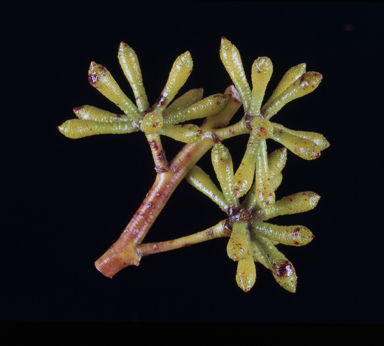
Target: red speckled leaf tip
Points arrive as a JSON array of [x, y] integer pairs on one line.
[[77, 109]]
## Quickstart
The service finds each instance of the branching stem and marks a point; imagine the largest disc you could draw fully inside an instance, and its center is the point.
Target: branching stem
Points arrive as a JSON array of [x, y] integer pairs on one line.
[[158, 153], [217, 231], [125, 251], [240, 128], [258, 175]]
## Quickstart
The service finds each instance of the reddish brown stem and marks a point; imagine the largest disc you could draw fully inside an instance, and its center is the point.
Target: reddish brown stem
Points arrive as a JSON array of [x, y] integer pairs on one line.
[[158, 153], [125, 251]]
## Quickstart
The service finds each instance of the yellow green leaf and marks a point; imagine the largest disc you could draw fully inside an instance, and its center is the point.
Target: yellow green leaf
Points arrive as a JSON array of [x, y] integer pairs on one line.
[[223, 117], [304, 148], [261, 74], [289, 283], [314, 137], [187, 133], [231, 59], [77, 128], [242, 181], [282, 269], [293, 204], [93, 113], [264, 193], [287, 235], [201, 181], [304, 85], [256, 254], [290, 77], [131, 68], [239, 128], [276, 161], [181, 69], [237, 248], [246, 273], [201, 109], [223, 166], [276, 181], [189, 98], [101, 79]]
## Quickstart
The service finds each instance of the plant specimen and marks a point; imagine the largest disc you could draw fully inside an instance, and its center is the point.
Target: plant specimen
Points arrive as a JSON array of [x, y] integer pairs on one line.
[[246, 195]]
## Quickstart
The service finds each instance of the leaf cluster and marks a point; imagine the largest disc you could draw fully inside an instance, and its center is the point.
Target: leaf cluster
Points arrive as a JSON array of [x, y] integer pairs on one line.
[[247, 194]]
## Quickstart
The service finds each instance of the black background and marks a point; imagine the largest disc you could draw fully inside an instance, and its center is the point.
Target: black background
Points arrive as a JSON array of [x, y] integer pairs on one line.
[[64, 202]]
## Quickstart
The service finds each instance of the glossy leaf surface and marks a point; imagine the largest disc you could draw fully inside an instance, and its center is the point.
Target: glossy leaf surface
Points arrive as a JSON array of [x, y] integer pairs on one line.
[[282, 269], [201, 181], [237, 248], [302, 147], [243, 179], [131, 68], [231, 59], [96, 114], [296, 203], [101, 79], [307, 83], [201, 109], [264, 196], [189, 98], [76, 128], [262, 70], [318, 139], [287, 235], [223, 166], [181, 69], [289, 78], [187, 133]]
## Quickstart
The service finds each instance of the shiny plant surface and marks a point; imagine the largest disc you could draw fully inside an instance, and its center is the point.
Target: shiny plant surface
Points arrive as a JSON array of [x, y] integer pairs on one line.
[[246, 195]]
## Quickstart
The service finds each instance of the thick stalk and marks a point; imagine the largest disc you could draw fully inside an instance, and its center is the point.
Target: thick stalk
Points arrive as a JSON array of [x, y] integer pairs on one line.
[[125, 251]]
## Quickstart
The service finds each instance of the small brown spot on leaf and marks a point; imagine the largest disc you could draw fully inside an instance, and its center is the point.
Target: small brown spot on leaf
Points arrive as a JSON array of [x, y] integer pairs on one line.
[[284, 269], [209, 233], [161, 100], [93, 78]]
